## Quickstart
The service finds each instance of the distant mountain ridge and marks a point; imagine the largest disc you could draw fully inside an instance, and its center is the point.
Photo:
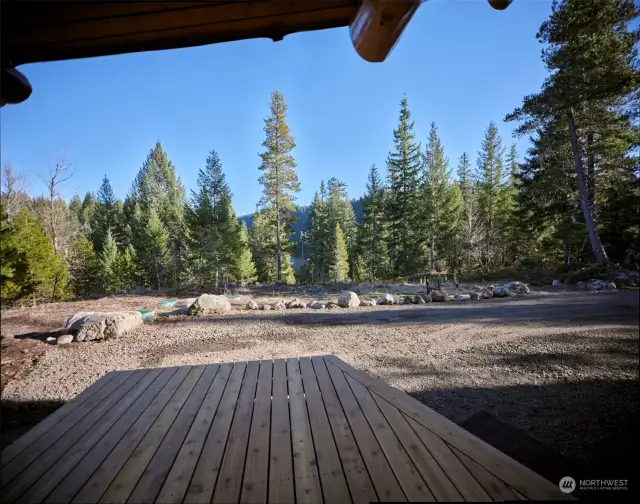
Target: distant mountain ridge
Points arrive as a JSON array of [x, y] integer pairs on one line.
[[302, 215]]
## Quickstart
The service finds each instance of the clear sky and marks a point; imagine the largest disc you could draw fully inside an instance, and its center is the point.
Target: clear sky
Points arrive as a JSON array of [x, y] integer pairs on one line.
[[460, 63]]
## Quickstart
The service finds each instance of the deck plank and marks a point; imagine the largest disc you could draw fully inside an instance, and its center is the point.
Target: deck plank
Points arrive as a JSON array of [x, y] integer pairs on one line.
[[382, 475], [290, 430], [256, 473], [281, 484], [360, 485], [496, 488], [49, 423], [37, 493], [530, 484], [123, 484], [334, 484], [102, 477], [175, 487], [205, 474], [464, 481], [71, 484], [151, 481], [31, 474], [305, 471], [229, 483], [438, 482], [72, 425], [413, 486]]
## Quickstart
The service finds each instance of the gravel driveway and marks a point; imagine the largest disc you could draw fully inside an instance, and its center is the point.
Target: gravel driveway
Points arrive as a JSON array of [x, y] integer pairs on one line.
[[555, 366]]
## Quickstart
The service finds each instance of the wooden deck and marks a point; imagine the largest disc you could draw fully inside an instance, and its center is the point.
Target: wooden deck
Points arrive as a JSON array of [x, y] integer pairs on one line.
[[296, 430]]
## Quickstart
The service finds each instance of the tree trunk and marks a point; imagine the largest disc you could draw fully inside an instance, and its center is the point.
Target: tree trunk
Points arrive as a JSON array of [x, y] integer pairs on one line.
[[594, 239], [278, 259], [432, 258]]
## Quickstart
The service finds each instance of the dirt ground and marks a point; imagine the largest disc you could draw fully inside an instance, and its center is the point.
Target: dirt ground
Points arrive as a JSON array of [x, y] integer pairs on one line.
[[563, 367]]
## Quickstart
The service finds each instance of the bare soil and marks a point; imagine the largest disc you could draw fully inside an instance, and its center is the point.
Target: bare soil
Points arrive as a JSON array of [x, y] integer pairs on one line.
[[562, 367]]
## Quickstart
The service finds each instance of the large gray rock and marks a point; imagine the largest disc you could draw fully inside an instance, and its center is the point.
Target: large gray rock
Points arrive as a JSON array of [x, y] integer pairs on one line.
[[65, 339], [88, 326], [348, 299], [517, 287], [209, 303], [279, 305], [499, 291], [296, 303], [438, 296], [387, 299]]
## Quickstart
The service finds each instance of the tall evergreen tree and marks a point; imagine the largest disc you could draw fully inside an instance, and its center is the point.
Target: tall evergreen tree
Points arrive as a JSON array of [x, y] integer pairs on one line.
[[372, 238], [339, 265], [592, 54], [491, 179], [245, 269], [279, 179], [404, 165], [441, 211], [105, 215], [319, 236]]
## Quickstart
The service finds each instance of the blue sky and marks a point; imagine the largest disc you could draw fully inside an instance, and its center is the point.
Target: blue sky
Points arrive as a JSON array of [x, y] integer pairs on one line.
[[460, 63]]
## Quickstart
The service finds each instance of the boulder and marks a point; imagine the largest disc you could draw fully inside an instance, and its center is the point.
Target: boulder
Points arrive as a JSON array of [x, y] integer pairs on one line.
[[279, 305], [88, 326], [209, 303], [408, 300], [348, 299], [517, 287], [387, 299], [367, 302], [318, 305], [417, 299], [438, 296], [475, 295], [499, 291], [425, 297], [265, 307], [65, 339], [296, 303], [252, 305]]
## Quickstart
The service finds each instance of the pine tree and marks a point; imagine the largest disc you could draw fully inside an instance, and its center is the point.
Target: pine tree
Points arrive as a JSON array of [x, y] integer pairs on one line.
[[31, 269], [372, 249], [465, 176], [105, 214], [403, 167], [157, 185], [279, 179], [592, 55], [155, 254], [491, 179], [84, 268], [244, 269], [339, 266], [108, 264], [126, 269], [319, 232], [441, 211]]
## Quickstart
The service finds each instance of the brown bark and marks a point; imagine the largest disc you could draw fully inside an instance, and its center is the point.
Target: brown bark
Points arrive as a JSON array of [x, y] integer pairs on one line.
[[596, 245]]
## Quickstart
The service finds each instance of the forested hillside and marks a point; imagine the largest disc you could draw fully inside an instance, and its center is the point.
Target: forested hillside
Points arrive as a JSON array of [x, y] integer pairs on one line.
[[571, 198]]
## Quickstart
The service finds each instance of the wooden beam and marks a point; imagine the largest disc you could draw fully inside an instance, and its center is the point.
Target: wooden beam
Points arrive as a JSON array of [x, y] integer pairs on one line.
[[378, 26]]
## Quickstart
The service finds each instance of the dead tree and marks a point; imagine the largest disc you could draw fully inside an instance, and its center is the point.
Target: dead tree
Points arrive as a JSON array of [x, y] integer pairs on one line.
[[61, 172]]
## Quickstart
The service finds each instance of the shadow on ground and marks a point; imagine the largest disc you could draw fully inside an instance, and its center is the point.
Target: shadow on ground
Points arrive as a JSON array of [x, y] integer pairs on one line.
[[17, 417]]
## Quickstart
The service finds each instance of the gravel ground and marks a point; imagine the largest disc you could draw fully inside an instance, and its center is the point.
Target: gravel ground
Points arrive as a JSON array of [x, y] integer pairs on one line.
[[564, 368]]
